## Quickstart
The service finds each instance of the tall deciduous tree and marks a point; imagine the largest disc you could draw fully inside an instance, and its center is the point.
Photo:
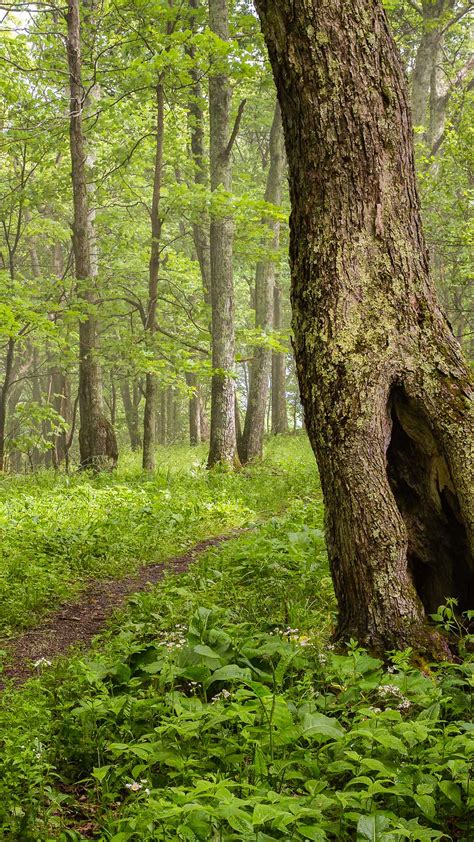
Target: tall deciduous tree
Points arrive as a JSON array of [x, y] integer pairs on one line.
[[251, 446], [386, 393], [279, 408], [431, 85], [222, 447], [97, 442], [151, 386]]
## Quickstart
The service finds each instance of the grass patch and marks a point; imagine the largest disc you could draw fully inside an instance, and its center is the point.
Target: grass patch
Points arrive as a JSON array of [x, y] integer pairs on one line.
[[58, 531], [215, 708]]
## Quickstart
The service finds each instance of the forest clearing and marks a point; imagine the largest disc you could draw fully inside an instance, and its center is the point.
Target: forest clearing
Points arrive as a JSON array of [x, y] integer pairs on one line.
[[236, 420]]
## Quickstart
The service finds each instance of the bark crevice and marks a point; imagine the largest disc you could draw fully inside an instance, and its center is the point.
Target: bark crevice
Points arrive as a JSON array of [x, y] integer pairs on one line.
[[438, 554]]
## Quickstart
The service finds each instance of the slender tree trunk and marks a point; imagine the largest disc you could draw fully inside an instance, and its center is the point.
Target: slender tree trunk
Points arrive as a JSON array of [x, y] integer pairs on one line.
[[161, 431], [61, 400], [194, 405], [36, 392], [113, 401], [60, 385], [36, 456], [430, 88], [97, 442], [251, 446], [222, 440], [386, 393], [130, 406], [279, 408], [4, 398], [238, 424], [151, 386], [196, 126], [170, 415], [204, 420]]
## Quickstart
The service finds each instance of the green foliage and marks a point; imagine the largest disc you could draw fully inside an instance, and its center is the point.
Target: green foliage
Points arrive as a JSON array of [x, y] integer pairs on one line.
[[216, 708], [37, 426], [57, 530]]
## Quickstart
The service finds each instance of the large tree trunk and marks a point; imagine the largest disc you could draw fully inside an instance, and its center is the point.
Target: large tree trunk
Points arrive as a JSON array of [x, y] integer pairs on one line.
[[279, 408], [151, 385], [251, 446], [384, 387], [97, 442], [222, 436]]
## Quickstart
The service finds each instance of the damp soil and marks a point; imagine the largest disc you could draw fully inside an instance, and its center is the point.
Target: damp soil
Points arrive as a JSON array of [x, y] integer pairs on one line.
[[75, 624]]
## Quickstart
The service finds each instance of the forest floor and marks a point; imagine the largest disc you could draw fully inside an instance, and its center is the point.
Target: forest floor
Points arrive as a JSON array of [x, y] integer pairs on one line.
[[212, 705], [76, 623]]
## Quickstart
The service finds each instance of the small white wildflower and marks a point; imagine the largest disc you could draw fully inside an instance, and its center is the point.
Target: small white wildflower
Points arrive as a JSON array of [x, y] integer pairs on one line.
[[224, 694], [389, 690], [134, 786], [42, 662], [376, 710], [391, 669], [146, 791], [405, 705]]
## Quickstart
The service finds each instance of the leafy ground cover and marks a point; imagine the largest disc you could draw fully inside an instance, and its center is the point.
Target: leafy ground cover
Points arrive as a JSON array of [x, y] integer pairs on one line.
[[216, 708], [56, 532]]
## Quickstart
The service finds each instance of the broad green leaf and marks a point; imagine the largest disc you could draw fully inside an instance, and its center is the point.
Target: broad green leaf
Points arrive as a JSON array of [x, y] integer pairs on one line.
[[231, 672], [371, 827]]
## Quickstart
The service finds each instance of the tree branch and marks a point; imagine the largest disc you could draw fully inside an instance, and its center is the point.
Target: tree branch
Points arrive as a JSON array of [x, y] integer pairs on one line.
[[236, 128]]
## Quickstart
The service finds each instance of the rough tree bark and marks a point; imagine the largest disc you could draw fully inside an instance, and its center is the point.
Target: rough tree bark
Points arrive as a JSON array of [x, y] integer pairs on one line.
[[151, 385], [279, 408], [222, 448], [386, 393], [251, 445], [97, 442]]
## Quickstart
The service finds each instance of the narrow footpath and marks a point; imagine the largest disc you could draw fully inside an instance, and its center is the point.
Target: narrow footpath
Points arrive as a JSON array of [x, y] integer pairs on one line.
[[77, 623]]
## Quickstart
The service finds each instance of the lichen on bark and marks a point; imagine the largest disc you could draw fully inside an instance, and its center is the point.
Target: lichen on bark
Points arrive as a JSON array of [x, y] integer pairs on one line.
[[369, 331]]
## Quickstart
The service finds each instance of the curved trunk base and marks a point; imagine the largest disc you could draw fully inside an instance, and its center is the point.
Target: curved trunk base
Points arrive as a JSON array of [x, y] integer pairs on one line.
[[98, 444], [398, 542]]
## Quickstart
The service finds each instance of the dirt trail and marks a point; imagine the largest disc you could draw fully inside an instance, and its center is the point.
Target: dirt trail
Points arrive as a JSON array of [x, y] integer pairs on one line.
[[77, 623]]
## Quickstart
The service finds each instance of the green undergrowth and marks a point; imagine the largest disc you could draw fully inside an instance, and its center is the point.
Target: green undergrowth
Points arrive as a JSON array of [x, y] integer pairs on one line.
[[57, 531], [215, 708]]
